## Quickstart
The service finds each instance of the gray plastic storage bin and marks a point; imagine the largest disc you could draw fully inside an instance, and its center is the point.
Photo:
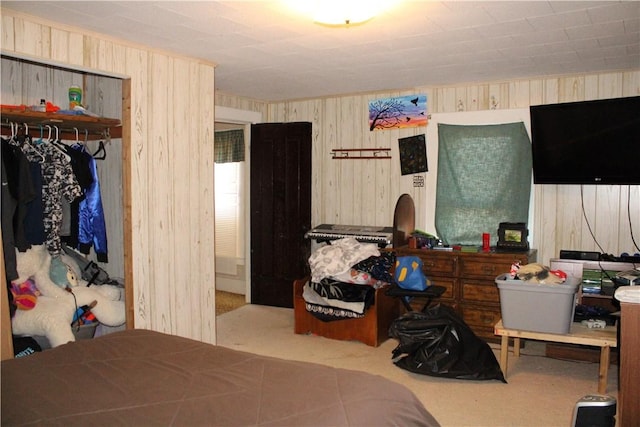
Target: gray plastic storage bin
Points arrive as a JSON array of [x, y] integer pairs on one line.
[[84, 332], [537, 307]]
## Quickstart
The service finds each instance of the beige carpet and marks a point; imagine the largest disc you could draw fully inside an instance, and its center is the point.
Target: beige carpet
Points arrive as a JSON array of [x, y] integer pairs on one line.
[[541, 391], [228, 301]]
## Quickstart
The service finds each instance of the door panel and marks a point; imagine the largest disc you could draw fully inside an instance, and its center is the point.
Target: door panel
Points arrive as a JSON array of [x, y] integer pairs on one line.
[[280, 210]]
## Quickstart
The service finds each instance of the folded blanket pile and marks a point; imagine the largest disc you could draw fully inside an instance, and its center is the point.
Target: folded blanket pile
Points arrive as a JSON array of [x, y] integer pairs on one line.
[[344, 276]]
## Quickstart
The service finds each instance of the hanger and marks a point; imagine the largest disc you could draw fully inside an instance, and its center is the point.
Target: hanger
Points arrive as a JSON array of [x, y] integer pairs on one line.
[[41, 140], [54, 143], [12, 136], [30, 143], [14, 132], [102, 150]]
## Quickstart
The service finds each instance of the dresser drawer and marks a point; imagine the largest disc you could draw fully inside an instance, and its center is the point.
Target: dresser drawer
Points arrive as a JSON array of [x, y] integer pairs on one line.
[[486, 268], [434, 264], [447, 282], [482, 292], [480, 317]]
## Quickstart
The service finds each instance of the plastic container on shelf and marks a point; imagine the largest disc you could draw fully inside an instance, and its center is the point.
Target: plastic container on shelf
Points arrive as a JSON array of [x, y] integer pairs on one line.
[[537, 307], [75, 97]]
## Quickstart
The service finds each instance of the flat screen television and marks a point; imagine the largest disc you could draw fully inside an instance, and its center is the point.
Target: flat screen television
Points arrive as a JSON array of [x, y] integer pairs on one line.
[[590, 142]]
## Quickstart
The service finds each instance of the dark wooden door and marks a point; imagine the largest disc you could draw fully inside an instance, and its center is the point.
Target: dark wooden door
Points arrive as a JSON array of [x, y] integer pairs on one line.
[[280, 210]]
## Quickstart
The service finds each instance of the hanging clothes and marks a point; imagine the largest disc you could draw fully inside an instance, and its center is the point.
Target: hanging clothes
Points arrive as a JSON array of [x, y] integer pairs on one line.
[[81, 168], [92, 231], [9, 205], [33, 224], [43, 178], [58, 181], [22, 193], [28, 224]]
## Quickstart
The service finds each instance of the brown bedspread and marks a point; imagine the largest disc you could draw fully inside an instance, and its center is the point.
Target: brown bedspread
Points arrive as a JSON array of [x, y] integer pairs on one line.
[[142, 378]]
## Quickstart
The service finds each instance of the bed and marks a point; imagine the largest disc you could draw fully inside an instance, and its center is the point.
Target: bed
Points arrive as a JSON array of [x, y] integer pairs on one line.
[[144, 378]]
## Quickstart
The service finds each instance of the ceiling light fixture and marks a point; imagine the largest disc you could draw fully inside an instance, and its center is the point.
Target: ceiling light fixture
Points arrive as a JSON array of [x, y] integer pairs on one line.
[[341, 13]]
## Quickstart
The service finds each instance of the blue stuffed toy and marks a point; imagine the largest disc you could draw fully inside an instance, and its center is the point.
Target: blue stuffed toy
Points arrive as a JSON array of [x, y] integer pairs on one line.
[[409, 274]]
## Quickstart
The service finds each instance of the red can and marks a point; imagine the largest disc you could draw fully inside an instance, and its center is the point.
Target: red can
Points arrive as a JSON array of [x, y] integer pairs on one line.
[[486, 237]]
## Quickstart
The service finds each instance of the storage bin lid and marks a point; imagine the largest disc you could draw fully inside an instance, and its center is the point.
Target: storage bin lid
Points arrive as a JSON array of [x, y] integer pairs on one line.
[[570, 285]]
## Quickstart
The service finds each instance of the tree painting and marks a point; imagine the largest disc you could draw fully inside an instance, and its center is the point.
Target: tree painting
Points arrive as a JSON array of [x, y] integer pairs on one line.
[[394, 113]]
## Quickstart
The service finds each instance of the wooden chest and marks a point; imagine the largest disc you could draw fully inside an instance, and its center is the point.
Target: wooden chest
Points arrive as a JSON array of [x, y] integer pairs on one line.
[[372, 329]]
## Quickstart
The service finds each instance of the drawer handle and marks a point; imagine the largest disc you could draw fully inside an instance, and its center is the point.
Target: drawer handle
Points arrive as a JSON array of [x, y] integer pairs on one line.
[[488, 269], [487, 319], [430, 264]]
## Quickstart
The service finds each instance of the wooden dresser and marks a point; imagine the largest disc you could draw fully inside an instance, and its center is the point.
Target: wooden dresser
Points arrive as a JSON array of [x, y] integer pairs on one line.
[[470, 281]]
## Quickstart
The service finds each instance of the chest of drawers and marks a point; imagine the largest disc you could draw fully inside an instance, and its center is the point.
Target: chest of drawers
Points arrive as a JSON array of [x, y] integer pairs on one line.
[[470, 281]]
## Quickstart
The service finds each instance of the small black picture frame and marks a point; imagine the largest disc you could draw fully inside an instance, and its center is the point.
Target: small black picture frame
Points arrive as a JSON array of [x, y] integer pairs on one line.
[[413, 154]]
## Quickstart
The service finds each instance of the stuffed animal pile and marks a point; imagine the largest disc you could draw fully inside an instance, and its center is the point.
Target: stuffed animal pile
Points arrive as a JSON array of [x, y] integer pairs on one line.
[[538, 273], [48, 293]]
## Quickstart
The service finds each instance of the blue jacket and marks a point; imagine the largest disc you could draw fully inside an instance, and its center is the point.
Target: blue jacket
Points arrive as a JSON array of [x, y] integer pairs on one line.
[[92, 229]]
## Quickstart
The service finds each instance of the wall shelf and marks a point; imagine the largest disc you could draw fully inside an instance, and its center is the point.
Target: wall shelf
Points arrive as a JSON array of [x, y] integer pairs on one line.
[[360, 153], [69, 126]]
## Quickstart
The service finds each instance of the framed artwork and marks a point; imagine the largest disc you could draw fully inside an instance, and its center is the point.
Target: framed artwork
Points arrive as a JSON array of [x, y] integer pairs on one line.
[[413, 154], [394, 113]]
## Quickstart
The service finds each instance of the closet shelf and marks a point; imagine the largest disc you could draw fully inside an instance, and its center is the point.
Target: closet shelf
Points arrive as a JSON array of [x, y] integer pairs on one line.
[[91, 127]]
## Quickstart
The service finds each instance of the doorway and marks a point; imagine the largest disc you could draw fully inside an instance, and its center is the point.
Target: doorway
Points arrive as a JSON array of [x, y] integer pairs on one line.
[[230, 206], [240, 283]]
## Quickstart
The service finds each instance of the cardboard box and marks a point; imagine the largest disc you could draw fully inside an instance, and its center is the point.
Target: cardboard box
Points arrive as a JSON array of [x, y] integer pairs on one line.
[[537, 307]]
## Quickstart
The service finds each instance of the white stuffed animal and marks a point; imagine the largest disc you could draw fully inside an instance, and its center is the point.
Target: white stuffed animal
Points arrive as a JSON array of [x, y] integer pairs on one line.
[[54, 310]]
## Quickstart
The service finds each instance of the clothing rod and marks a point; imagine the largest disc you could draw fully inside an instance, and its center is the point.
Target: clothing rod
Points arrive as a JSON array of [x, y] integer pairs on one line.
[[65, 133]]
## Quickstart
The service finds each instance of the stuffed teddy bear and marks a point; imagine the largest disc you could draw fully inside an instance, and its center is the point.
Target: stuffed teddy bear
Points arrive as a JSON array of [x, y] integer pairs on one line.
[[61, 293], [538, 273]]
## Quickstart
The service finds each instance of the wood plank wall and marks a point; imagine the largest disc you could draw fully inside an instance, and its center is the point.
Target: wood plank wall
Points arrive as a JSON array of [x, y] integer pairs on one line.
[[365, 191], [172, 208], [170, 162]]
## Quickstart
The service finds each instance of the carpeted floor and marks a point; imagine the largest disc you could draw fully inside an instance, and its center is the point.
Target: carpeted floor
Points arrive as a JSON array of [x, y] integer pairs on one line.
[[540, 392], [227, 301]]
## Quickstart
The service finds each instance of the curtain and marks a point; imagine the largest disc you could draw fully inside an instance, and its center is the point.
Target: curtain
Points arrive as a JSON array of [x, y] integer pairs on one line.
[[229, 146], [484, 178]]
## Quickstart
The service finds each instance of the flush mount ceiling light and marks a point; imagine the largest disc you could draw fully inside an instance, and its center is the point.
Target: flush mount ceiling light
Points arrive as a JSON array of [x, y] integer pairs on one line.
[[341, 12]]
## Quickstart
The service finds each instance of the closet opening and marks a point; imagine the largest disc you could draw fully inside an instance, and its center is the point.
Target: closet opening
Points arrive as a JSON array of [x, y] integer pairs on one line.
[[26, 82]]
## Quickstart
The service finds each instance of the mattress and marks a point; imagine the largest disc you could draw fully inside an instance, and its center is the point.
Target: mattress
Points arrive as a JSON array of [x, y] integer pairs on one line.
[[146, 378]]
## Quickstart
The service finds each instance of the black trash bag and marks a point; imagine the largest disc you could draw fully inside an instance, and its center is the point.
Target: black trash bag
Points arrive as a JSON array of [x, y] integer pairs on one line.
[[437, 342]]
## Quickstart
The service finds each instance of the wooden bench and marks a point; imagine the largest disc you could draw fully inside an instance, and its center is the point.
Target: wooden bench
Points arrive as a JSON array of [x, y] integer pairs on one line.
[[372, 329], [605, 338]]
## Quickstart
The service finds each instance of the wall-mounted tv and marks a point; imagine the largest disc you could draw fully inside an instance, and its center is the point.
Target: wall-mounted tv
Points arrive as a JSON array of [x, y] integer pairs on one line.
[[590, 142]]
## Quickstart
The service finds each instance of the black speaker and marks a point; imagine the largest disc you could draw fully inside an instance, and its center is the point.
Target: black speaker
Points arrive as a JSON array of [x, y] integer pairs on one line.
[[595, 410], [582, 255]]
